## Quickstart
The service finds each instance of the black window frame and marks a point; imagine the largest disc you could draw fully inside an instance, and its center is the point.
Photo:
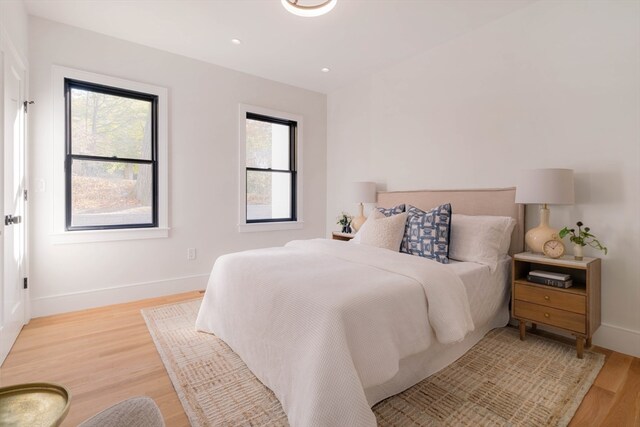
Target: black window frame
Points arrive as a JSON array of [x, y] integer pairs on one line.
[[293, 133], [70, 84]]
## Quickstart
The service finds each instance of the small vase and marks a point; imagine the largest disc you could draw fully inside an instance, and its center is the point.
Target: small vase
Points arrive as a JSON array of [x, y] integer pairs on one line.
[[346, 229], [577, 252]]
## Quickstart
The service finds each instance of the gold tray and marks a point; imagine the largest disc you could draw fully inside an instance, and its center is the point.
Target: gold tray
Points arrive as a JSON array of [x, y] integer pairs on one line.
[[35, 404]]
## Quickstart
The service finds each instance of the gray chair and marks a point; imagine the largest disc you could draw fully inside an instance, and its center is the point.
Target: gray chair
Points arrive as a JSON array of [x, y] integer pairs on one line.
[[134, 412]]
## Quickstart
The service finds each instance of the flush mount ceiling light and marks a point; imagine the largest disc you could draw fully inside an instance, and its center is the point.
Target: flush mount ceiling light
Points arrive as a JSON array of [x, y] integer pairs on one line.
[[320, 8]]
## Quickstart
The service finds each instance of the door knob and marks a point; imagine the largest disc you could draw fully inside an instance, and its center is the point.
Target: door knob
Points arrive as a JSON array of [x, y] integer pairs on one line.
[[10, 219]]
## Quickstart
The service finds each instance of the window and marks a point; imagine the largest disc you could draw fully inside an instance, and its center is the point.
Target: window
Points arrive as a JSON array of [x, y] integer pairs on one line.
[[269, 163], [110, 158], [110, 166]]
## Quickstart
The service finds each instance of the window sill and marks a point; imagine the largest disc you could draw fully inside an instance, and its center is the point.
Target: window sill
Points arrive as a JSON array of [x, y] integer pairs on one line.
[[270, 226], [90, 236]]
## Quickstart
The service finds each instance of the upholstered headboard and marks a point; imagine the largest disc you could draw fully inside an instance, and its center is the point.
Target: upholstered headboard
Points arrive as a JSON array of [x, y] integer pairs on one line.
[[498, 201]]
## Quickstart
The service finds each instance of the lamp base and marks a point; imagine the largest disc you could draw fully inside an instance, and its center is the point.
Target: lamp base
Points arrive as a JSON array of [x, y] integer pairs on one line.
[[357, 222], [536, 237]]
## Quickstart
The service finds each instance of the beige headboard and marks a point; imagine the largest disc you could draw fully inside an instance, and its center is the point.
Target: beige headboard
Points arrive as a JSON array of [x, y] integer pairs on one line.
[[498, 201]]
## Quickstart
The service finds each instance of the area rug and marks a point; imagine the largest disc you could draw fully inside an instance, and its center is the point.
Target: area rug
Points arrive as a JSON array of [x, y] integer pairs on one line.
[[501, 381]]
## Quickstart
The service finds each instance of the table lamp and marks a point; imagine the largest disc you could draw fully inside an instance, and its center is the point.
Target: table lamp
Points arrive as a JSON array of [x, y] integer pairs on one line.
[[544, 187], [362, 192]]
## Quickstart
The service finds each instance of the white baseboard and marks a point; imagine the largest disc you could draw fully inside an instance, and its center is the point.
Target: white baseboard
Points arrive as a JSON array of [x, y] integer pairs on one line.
[[64, 303], [617, 338]]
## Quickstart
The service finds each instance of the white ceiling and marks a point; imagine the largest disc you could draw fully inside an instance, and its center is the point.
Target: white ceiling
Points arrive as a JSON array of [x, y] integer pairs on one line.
[[354, 40]]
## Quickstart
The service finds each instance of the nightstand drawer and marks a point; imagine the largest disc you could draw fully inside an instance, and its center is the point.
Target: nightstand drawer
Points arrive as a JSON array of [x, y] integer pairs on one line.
[[551, 298], [550, 316]]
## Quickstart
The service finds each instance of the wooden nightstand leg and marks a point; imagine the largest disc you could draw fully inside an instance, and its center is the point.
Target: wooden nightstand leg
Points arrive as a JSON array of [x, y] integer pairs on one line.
[[534, 327], [588, 343], [580, 347], [523, 329]]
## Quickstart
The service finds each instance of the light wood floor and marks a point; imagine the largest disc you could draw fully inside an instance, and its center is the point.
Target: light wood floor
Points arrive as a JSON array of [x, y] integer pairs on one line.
[[105, 355]]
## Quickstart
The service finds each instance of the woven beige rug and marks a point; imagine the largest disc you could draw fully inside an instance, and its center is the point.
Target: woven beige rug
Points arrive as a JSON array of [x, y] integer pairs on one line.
[[502, 381]]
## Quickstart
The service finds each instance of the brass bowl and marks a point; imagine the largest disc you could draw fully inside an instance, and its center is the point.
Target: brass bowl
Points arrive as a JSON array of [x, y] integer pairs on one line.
[[34, 404]]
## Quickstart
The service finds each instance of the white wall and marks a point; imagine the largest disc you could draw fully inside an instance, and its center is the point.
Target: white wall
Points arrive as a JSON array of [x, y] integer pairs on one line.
[[13, 25], [553, 85], [203, 157]]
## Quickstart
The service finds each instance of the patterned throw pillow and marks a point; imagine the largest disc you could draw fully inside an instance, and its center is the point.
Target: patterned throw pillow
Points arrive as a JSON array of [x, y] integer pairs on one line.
[[426, 234], [392, 211]]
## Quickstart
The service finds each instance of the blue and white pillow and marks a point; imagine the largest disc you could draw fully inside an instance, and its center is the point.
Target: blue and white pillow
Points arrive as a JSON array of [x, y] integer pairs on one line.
[[426, 234], [392, 211]]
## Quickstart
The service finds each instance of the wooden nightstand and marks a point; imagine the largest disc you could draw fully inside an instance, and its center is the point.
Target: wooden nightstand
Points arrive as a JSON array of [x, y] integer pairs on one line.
[[336, 235], [575, 309]]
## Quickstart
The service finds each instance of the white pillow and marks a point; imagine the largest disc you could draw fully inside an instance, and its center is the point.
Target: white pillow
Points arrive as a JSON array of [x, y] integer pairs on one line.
[[374, 215], [382, 231], [481, 239]]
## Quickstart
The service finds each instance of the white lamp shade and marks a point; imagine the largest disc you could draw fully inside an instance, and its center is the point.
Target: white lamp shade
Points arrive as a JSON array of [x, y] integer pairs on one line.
[[363, 192], [545, 186]]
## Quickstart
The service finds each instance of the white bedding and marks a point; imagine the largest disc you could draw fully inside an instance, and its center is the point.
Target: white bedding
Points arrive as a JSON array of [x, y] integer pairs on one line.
[[326, 325], [487, 289], [488, 292]]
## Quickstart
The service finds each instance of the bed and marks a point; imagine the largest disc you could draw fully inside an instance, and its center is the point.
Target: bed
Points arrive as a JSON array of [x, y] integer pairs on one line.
[[334, 327]]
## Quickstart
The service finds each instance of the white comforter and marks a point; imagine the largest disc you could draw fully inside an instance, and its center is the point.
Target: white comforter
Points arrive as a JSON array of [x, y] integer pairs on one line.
[[321, 321]]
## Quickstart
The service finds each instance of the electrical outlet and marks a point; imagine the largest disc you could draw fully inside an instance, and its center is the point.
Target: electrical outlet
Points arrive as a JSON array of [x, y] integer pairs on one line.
[[191, 254]]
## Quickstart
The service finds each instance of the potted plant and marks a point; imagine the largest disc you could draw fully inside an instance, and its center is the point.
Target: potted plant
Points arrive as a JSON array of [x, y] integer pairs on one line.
[[345, 221], [580, 239]]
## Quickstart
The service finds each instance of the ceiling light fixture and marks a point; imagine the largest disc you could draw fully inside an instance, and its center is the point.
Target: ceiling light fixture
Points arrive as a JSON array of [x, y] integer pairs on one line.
[[309, 11], [236, 41], [325, 70]]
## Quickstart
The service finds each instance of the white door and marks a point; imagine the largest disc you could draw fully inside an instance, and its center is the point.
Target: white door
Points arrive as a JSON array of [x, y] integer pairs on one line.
[[12, 306]]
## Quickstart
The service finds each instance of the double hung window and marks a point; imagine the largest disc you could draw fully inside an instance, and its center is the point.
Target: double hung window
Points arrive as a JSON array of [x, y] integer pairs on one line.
[[111, 165], [270, 169]]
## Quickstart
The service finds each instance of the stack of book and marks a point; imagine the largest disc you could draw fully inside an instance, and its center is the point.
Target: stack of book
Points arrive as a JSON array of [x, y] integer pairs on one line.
[[549, 278]]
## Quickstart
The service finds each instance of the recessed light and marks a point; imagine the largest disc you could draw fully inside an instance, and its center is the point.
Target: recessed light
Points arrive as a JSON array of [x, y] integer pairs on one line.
[[236, 41], [325, 70]]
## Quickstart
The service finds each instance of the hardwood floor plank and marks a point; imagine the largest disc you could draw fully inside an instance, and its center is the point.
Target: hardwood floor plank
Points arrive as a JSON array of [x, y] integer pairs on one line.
[[614, 374], [105, 355], [102, 356], [626, 410], [594, 407]]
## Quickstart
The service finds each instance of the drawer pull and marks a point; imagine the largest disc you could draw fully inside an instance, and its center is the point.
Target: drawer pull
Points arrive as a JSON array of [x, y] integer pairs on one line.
[[546, 298], [547, 315]]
